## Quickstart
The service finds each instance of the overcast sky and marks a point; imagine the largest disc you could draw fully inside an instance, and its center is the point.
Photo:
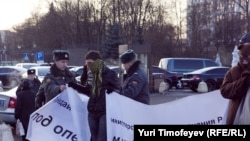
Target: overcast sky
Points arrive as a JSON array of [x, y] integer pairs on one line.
[[13, 12]]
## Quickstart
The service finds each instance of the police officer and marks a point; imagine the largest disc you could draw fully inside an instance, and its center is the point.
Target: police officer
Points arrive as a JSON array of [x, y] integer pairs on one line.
[[25, 104], [55, 81], [31, 75], [135, 84]]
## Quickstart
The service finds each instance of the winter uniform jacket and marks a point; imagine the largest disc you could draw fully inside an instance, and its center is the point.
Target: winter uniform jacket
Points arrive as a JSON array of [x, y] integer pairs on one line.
[[25, 105], [135, 84], [234, 87], [36, 85], [52, 81]]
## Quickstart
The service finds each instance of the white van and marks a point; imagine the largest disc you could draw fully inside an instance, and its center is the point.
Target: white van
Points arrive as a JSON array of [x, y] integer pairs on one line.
[[181, 65]]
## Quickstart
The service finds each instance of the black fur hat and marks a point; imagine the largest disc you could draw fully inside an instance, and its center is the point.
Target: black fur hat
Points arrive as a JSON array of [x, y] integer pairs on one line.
[[127, 56], [60, 55], [31, 71]]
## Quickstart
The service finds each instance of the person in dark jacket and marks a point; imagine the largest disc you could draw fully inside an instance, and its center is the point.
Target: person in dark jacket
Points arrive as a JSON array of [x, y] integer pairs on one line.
[[103, 80], [237, 80], [135, 83], [56, 80], [31, 75], [25, 104]]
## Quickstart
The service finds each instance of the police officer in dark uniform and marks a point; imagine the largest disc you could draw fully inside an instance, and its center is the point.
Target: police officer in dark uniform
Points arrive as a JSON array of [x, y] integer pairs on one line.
[[25, 104], [55, 81], [31, 75], [135, 84]]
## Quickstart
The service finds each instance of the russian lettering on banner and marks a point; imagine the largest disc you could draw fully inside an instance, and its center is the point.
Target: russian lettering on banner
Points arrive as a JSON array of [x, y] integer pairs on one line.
[[198, 110], [63, 118]]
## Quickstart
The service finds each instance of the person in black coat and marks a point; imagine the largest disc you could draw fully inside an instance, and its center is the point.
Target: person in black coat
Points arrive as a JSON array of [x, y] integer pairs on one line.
[[31, 76], [25, 104], [102, 80]]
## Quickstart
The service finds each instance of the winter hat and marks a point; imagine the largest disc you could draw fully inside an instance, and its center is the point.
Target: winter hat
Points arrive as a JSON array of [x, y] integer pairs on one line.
[[93, 55], [244, 39], [60, 55], [127, 56], [31, 71]]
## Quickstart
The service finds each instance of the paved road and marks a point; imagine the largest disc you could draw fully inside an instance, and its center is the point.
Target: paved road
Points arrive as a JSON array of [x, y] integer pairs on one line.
[[174, 94]]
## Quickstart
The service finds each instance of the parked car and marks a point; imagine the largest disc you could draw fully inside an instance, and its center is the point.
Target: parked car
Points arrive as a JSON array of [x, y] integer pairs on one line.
[[183, 65], [46, 64], [213, 76], [41, 71], [7, 106], [11, 76], [27, 65], [77, 71], [117, 69], [170, 77]]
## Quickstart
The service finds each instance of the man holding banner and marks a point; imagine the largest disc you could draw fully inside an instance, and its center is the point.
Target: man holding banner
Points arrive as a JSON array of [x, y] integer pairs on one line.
[[104, 80], [55, 81]]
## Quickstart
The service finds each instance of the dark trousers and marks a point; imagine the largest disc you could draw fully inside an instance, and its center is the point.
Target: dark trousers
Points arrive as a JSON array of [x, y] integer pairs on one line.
[[98, 128]]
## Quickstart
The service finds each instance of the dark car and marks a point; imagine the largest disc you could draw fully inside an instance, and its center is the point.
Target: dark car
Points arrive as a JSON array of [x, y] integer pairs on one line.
[[213, 76], [170, 77], [11, 76]]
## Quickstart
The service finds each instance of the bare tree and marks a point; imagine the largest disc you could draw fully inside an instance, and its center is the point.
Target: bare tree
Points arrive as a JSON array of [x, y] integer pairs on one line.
[[244, 6]]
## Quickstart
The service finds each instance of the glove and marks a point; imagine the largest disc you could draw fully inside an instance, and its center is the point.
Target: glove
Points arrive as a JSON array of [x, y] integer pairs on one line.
[[79, 88], [84, 76]]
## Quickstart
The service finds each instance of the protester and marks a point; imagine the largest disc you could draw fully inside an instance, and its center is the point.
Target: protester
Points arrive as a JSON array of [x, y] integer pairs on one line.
[[237, 79], [135, 83], [104, 80], [25, 104], [55, 81], [31, 75]]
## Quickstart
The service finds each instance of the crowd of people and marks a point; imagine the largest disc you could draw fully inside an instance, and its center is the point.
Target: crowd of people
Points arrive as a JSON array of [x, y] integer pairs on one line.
[[96, 80]]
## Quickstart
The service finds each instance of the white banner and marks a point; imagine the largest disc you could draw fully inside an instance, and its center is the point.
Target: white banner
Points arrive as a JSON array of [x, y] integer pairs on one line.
[[123, 113], [64, 118]]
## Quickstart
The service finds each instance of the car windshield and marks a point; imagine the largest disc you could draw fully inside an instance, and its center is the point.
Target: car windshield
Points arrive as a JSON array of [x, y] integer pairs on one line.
[[43, 71], [29, 66]]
